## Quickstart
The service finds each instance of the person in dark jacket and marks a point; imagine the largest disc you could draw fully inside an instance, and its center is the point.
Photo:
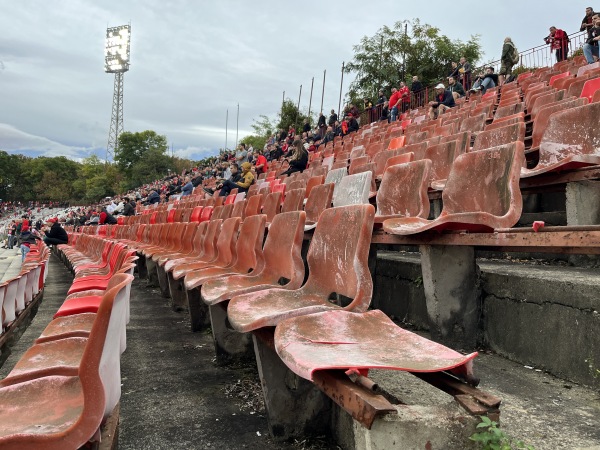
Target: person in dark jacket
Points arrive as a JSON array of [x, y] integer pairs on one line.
[[443, 100], [299, 159], [128, 207], [153, 197], [55, 234]]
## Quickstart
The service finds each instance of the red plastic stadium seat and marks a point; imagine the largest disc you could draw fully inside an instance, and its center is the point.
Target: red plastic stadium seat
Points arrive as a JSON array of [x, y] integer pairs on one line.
[[482, 193], [337, 263]]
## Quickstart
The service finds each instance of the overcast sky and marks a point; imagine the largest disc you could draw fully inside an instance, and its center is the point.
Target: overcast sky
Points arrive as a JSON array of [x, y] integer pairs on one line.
[[193, 61]]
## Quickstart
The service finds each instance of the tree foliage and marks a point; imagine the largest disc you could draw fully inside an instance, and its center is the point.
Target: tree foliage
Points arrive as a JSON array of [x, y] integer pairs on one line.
[[142, 158], [391, 55], [290, 115]]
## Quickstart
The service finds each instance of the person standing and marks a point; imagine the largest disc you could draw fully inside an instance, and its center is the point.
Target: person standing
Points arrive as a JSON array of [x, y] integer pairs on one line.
[[404, 93], [393, 104], [464, 69], [588, 22], [417, 90], [559, 41], [322, 125], [333, 117], [591, 47], [510, 57], [12, 233]]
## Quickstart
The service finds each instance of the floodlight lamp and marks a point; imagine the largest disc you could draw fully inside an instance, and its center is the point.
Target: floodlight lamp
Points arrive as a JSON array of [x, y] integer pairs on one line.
[[116, 49]]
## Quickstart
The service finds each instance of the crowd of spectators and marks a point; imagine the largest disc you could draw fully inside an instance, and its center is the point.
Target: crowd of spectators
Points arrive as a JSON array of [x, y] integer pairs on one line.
[[240, 168]]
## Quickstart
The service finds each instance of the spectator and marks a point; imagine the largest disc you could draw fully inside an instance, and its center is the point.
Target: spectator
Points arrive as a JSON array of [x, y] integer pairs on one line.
[[241, 155], [558, 41], [328, 136], [385, 111], [454, 70], [591, 47], [12, 234], [417, 89], [332, 118], [443, 101], [56, 234], [306, 126], [352, 124], [485, 80], [510, 57], [322, 125], [455, 88], [242, 182], [128, 207], [291, 133], [588, 22], [153, 197], [464, 69], [187, 188], [404, 93], [105, 217], [393, 104], [299, 159], [28, 238], [261, 165]]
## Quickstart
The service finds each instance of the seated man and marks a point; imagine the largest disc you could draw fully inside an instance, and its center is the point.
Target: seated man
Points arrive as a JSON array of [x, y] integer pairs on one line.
[[55, 234], [456, 88], [237, 181], [443, 101], [485, 81]]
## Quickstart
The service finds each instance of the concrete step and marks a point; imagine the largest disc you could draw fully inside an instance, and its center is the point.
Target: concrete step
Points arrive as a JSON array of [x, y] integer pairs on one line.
[[538, 315]]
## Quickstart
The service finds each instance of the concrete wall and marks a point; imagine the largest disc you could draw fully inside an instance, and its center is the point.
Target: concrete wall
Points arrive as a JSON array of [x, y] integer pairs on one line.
[[543, 316]]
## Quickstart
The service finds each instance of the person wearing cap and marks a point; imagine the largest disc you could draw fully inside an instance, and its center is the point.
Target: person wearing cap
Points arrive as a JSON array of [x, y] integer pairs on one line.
[[240, 182], [443, 101], [56, 234]]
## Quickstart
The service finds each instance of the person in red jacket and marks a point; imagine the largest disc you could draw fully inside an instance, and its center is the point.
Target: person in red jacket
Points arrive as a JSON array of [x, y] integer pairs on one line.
[[558, 41]]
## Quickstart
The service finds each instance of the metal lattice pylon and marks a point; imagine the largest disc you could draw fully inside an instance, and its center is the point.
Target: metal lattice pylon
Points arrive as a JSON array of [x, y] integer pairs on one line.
[[116, 120]]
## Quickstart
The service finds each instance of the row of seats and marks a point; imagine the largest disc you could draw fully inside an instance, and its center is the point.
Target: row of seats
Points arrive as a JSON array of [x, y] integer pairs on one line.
[[263, 283], [68, 382], [18, 292]]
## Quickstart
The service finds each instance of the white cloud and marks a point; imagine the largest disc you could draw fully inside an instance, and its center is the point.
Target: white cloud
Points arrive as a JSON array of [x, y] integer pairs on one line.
[[191, 62]]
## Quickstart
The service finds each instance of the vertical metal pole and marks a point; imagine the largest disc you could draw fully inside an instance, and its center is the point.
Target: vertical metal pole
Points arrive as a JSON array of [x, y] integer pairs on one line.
[[323, 93], [312, 83], [404, 53], [282, 100], [226, 123], [237, 125], [341, 84], [298, 107]]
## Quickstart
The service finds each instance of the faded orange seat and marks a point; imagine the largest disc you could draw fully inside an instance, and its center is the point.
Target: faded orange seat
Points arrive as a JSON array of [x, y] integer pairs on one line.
[[442, 157], [345, 340], [294, 201], [272, 205], [416, 149], [319, 200], [507, 120], [474, 123], [499, 136], [224, 251], [337, 263], [65, 410], [544, 114], [482, 193], [356, 162], [570, 140], [248, 256], [397, 143], [546, 99], [403, 191], [398, 159], [282, 261], [197, 247]]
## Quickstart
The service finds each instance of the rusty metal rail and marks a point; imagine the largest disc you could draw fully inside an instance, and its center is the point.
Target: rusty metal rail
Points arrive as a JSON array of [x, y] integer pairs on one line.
[[567, 239]]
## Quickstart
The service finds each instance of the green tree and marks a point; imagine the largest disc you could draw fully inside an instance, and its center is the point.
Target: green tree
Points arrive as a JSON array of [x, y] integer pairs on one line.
[[142, 157], [263, 129], [391, 55], [290, 115]]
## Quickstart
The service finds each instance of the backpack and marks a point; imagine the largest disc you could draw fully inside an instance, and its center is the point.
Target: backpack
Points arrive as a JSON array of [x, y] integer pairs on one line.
[[515, 58]]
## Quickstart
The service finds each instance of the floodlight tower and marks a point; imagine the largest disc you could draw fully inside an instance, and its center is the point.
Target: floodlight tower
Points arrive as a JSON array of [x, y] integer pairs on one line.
[[116, 60]]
